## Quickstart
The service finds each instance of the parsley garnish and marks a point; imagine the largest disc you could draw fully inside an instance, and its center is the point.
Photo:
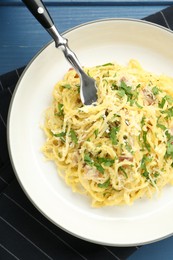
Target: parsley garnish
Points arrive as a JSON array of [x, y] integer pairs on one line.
[[162, 103], [121, 92], [78, 88], [169, 150], [88, 73], [96, 133], [168, 135], [114, 86], [99, 167], [144, 160], [138, 104], [156, 174], [68, 86], [60, 109], [167, 98], [73, 136], [146, 144], [127, 89], [146, 174], [105, 184], [155, 90], [128, 148], [161, 126], [87, 159], [61, 135], [143, 121], [169, 112], [107, 64], [97, 162], [106, 161], [113, 135], [122, 169]]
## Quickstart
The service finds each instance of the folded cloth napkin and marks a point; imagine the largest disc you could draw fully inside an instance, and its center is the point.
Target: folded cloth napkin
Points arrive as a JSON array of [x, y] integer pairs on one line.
[[24, 232]]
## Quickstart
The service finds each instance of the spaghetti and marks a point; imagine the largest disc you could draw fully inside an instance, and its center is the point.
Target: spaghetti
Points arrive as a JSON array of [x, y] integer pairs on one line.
[[121, 149]]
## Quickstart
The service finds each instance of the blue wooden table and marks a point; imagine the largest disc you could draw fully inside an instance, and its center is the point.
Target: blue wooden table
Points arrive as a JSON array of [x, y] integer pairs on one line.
[[21, 37]]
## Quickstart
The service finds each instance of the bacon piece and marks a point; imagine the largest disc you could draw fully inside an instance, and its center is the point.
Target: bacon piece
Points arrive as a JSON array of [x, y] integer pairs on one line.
[[124, 79], [127, 80], [123, 157], [91, 174], [76, 76], [149, 97], [70, 69], [75, 157]]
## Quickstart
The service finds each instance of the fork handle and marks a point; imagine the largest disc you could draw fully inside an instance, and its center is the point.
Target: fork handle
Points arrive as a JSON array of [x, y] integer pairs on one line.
[[39, 11]]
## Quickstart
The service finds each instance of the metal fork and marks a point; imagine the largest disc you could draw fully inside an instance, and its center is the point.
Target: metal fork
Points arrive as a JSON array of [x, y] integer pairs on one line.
[[88, 88]]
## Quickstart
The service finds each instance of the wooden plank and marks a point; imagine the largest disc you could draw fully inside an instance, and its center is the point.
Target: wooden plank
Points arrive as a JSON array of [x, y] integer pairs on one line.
[[92, 3], [22, 36]]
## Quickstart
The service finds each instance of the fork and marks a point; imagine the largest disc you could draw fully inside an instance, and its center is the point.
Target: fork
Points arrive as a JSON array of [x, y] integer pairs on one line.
[[88, 88]]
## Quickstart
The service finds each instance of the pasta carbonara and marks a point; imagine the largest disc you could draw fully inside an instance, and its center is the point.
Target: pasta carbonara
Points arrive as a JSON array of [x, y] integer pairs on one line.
[[120, 149]]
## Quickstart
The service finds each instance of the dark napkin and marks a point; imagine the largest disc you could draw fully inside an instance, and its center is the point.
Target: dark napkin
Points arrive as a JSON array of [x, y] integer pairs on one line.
[[24, 232]]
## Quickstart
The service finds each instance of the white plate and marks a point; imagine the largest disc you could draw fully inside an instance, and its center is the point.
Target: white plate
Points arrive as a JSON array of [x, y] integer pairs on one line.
[[94, 43]]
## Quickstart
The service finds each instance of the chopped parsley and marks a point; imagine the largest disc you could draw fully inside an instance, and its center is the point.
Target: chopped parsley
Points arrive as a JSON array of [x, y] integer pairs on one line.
[[128, 148], [107, 64], [98, 162], [114, 86], [144, 137], [144, 161], [87, 159], [88, 73], [78, 88], [73, 136], [60, 110], [105, 184], [127, 89], [168, 112], [161, 126], [137, 104], [122, 169], [121, 92], [99, 167], [61, 136], [143, 121], [162, 103], [146, 174], [124, 89], [68, 86], [106, 161], [169, 149], [96, 133], [156, 174], [167, 98], [106, 74], [155, 90], [113, 135]]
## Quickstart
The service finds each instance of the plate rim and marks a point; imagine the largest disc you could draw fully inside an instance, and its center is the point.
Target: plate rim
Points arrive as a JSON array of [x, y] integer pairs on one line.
[[8, 130]]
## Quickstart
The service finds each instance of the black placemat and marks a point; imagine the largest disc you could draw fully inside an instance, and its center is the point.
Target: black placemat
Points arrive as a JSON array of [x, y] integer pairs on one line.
[[24, 232]]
